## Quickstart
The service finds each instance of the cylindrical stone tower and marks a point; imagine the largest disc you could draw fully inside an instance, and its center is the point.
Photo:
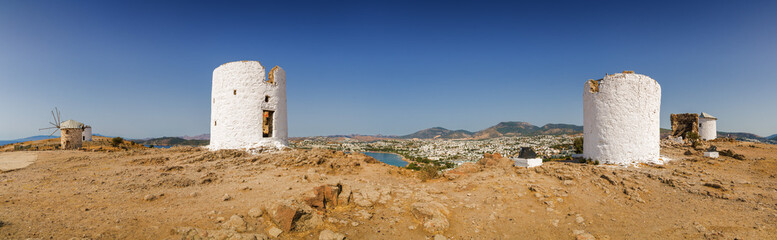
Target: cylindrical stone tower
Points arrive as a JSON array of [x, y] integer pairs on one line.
[[248, 111], [72, 134], [708, 129], [621, 119]]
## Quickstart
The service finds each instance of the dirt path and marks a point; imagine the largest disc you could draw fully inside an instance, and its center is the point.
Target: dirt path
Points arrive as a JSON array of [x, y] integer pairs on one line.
[[10, 161]]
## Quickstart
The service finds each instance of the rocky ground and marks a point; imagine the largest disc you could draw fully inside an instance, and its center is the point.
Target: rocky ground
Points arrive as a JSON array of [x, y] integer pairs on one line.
[[191, 193]]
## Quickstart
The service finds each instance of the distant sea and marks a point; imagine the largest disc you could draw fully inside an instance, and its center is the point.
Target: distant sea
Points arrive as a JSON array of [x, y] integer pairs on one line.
[[388, 158]]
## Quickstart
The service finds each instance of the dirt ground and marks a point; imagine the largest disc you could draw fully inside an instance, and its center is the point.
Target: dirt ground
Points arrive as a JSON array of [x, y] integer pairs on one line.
[[191, 193], [16, 160]]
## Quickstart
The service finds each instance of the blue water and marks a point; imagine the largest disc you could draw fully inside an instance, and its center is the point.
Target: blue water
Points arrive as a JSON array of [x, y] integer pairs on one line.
[[388, 158]]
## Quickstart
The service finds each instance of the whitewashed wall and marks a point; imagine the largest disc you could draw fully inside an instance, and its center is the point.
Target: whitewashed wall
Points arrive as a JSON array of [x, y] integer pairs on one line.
[[238, 102], [87, 134], [621, 120], [708, 129]]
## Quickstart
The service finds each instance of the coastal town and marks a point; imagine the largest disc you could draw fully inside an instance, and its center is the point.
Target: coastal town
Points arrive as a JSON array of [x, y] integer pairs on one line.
[[450, 150]]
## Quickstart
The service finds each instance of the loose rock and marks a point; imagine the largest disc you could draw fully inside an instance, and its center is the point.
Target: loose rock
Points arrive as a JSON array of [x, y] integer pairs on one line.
[[329, 235]]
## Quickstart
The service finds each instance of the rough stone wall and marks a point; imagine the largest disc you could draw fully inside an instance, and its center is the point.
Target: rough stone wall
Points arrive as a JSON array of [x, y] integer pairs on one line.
[[71, 138], [239, 96], [621, 119], [87, 135], [708, 129], [684, 123]]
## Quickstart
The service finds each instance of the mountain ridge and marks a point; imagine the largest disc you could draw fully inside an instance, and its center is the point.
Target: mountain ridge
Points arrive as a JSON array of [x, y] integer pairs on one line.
[[502, 129]]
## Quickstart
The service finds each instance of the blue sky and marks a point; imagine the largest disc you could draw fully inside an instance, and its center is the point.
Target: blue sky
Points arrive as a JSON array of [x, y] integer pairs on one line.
[[143, 69]]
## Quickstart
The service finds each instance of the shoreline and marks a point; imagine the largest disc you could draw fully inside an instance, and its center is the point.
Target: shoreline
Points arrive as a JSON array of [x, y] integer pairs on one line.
[[400, 157]]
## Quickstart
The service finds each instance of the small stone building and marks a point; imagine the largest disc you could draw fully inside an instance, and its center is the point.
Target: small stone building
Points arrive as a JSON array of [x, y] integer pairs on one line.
[[621, 119], [708, 129], [72, 134]]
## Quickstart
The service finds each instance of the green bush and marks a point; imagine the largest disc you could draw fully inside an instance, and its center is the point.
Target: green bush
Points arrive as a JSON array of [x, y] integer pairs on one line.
[[578, 145], [692, 136], [413, 166], [116, 141], [428, 172]]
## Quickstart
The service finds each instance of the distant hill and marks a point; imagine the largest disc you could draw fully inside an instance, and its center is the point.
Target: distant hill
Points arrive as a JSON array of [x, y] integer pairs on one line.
[[439, 132], [559, 129], [172, 141], [33, 138], [772, 137], [747, 137], [205, 136], [502, 129]]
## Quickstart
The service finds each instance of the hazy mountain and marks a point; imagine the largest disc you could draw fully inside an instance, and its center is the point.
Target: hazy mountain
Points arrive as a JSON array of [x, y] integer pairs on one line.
[[205, 136], [772, 137], [439, 132], [559, 129], [502, 129], [172, 141], [33, 138], [741, 136]]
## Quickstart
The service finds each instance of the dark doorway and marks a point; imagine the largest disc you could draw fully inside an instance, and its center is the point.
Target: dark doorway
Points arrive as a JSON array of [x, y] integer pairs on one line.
[[267, 123]]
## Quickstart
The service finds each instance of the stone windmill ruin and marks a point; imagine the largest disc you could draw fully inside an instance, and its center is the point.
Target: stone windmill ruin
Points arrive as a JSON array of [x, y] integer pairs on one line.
[[72, 132]]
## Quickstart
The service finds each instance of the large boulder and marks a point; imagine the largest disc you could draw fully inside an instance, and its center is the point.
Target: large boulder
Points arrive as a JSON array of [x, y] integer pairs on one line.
[[294, 216], [324, 197]]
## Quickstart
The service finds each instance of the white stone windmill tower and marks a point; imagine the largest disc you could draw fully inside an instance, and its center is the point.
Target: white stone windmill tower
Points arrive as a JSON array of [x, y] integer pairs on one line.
[[248, 111], [71, 131], [708, 129], [621, 119]]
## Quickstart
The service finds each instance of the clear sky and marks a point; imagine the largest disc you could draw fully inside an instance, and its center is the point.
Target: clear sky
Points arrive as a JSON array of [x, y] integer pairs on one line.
[[143, 68]]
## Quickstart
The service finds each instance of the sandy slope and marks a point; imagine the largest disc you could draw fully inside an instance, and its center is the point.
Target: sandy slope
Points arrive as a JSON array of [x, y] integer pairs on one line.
[[16, 160], [180, 192]]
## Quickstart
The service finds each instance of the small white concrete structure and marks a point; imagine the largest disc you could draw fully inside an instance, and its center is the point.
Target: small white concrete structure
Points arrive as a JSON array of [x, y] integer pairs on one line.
[[711, 154], [708, 129], [528, 162], [248, 111], [87, 134], [621, 119]]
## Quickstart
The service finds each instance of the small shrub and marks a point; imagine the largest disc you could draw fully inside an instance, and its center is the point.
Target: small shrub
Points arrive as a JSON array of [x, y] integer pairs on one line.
[[692, 136], [413, 166], [688, 153], [578, 145], [116, 141], [596, 162], [428, 172]]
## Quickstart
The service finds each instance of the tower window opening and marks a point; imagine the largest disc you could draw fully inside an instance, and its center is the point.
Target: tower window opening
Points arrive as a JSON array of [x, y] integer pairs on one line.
[[267, 123], [266, 98], [234, 92], [215, 123]]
